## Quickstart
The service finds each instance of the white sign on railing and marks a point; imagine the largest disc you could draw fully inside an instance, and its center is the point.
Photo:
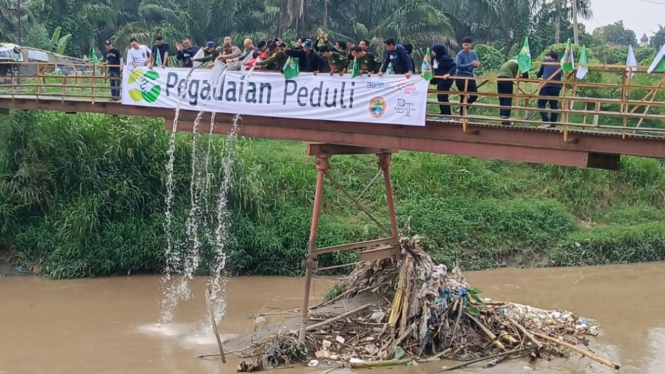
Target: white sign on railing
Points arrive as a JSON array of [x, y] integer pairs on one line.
[[391, 99]]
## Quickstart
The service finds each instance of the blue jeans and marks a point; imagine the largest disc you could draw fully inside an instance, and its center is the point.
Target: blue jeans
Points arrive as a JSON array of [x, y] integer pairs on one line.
[[115, 84], [549, 96]]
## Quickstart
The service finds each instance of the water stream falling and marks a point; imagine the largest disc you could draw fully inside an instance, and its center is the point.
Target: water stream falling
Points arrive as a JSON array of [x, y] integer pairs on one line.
[[185, 261]]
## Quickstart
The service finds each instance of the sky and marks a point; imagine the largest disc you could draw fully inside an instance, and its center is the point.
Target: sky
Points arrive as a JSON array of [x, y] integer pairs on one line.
[[641, 16]]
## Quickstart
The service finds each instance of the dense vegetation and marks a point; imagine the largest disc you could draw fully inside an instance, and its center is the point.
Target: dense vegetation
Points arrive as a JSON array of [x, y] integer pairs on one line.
[[84, 195]]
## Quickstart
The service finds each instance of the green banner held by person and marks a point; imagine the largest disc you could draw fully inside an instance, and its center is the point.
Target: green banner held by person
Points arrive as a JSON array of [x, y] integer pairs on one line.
[[524, 57], [568, 60], [291, 68], [427, 66], [158, 58]]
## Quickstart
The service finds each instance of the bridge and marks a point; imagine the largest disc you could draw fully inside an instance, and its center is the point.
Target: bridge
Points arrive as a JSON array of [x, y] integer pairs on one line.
[[599, 122]]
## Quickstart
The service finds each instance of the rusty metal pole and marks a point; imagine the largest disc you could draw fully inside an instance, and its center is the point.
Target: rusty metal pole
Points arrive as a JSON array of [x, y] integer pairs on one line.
[[310, 263], [384, 164]]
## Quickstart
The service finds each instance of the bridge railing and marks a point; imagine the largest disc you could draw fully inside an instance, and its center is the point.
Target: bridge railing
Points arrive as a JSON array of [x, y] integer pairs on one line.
[[609, 99]]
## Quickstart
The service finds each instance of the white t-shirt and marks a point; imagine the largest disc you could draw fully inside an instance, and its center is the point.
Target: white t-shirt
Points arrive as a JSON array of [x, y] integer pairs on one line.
[[138, 56]]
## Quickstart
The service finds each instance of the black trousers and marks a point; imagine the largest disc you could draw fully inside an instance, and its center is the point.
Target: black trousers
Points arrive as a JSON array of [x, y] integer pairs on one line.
[[464, 87], [444, 85], [505, 88], [549, 95]]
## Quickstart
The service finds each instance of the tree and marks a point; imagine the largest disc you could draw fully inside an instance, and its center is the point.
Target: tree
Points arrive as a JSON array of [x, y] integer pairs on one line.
[[616, 34], [658, 39], [563, 11], [9, 20]]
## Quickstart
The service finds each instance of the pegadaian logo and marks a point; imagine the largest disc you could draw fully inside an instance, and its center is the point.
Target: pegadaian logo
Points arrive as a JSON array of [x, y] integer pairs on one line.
[[148, 89], [377, 107]]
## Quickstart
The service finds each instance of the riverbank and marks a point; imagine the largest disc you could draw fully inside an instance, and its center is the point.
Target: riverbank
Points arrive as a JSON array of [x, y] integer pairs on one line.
[[83, 195]]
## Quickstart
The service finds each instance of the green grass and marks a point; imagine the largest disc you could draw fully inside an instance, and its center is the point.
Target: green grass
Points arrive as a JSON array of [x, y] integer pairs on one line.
[[84, 196]]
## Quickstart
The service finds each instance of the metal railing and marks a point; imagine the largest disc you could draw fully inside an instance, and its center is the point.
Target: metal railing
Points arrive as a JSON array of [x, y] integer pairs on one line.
[[617, 101]]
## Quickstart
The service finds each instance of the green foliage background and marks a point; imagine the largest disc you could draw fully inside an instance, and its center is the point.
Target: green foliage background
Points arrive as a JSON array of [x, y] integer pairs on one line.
[[83, 195]]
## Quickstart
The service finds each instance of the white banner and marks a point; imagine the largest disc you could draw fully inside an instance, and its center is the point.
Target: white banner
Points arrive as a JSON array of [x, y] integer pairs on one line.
[[391, 99]]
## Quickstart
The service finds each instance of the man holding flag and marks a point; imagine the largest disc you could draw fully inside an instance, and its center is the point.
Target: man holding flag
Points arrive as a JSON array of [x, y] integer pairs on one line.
[[160, 53]]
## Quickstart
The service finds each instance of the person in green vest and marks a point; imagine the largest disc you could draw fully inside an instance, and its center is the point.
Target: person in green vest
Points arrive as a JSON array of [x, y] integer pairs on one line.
[[277, 59], [366, 60], [337, 61], [504, 87]]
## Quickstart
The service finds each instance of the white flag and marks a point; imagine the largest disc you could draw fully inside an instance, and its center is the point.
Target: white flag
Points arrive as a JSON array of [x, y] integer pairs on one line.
[[631, 62], [658, 63]]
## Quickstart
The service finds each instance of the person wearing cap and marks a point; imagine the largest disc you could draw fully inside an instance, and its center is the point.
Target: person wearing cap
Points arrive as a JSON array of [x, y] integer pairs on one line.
[[185, 53], [313, 62], [113, 63], [210, 53], [161, 48]]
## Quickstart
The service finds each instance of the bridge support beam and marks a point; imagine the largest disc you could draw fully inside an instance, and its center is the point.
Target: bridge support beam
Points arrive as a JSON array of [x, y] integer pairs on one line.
[[380, 248]]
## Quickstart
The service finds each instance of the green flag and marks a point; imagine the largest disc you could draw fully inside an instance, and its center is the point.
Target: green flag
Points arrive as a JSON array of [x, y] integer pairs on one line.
[[568, 60], [93, 55], [390, 70], [355, 72], [158, 58], [524, 57], [582, 69], [427, 66], [658, 64], [292, 68]]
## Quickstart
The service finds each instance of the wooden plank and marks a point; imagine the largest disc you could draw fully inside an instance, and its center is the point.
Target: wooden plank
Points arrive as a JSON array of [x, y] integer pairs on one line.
[[346, 247]]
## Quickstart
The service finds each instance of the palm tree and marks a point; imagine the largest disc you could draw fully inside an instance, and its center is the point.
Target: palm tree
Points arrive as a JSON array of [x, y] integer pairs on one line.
[[9, 20], [563, 11]]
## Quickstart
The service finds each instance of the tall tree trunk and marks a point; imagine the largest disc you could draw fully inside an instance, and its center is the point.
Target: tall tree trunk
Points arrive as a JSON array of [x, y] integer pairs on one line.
[[325, 14], [557, 33], [284, 19], [302, 17]]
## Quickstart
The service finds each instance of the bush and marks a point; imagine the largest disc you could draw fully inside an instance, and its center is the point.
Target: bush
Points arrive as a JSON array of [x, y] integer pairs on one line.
[[645, 55], [491, 59], [560, 49]]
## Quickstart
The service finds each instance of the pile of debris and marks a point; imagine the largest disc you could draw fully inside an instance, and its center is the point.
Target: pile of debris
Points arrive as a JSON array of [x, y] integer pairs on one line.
[[423, 312]]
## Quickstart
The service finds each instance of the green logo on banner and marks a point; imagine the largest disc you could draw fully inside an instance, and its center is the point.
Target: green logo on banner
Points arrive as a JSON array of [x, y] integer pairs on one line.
[[148, 90]]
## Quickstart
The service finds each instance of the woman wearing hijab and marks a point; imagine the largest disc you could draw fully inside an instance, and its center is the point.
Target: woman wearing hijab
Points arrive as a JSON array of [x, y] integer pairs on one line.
[[444, 69]]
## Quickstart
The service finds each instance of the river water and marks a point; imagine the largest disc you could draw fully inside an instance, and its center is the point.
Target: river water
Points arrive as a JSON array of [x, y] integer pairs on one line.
[[108, 325]]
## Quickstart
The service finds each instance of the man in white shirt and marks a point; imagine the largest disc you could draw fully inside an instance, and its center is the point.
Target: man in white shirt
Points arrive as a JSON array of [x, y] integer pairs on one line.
[[137, 55]]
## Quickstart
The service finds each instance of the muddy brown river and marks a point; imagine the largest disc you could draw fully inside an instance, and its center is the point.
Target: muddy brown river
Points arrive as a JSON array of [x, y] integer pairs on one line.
[[108, 325]]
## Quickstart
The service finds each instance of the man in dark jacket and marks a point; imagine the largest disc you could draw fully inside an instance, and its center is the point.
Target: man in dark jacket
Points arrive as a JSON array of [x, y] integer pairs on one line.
[[444, 68], [161, 48], [398, 57], [185, 53], [551, 72], [276, 61]]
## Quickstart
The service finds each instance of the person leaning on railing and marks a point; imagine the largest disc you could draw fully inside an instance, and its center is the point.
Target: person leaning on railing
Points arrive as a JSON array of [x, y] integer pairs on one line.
[[466, 60], [444, 69], [550, 71], [504, 88], [113, 63]]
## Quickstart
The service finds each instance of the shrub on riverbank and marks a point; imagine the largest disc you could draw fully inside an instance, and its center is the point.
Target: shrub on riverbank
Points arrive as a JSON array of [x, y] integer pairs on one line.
[[84, 195]]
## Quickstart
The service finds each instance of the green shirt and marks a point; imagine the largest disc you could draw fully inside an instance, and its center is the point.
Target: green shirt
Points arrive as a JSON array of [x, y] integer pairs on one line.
[[508, 70], [367, 63], [276, 61], [337, 61]]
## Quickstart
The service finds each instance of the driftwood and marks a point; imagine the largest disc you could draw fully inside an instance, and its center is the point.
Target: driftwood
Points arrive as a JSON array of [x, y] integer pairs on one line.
[[523, 330], [578, 350], [378, 364], [465, 364], [487, 332], [214, 326], [339, 317]]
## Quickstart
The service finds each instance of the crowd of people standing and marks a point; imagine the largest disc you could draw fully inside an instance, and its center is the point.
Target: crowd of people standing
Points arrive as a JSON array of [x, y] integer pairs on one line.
[[320, 55]]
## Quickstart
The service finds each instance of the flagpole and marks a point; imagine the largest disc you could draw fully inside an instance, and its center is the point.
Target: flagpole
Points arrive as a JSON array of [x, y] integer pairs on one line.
[[576, 35]]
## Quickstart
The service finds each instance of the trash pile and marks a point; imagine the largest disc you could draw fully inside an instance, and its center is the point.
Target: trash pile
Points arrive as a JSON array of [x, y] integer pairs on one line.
[[425, 312]]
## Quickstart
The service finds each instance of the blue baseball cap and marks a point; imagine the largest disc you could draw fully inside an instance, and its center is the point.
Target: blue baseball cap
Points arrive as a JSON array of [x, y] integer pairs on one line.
[[308, 44], [210, 44]]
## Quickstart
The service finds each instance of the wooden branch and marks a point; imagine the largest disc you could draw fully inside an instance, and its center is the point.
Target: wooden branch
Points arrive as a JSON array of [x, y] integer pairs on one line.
[[335, 319], [524, 331], [214, 325], [487, 332], [465, 364], [578, 350]]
